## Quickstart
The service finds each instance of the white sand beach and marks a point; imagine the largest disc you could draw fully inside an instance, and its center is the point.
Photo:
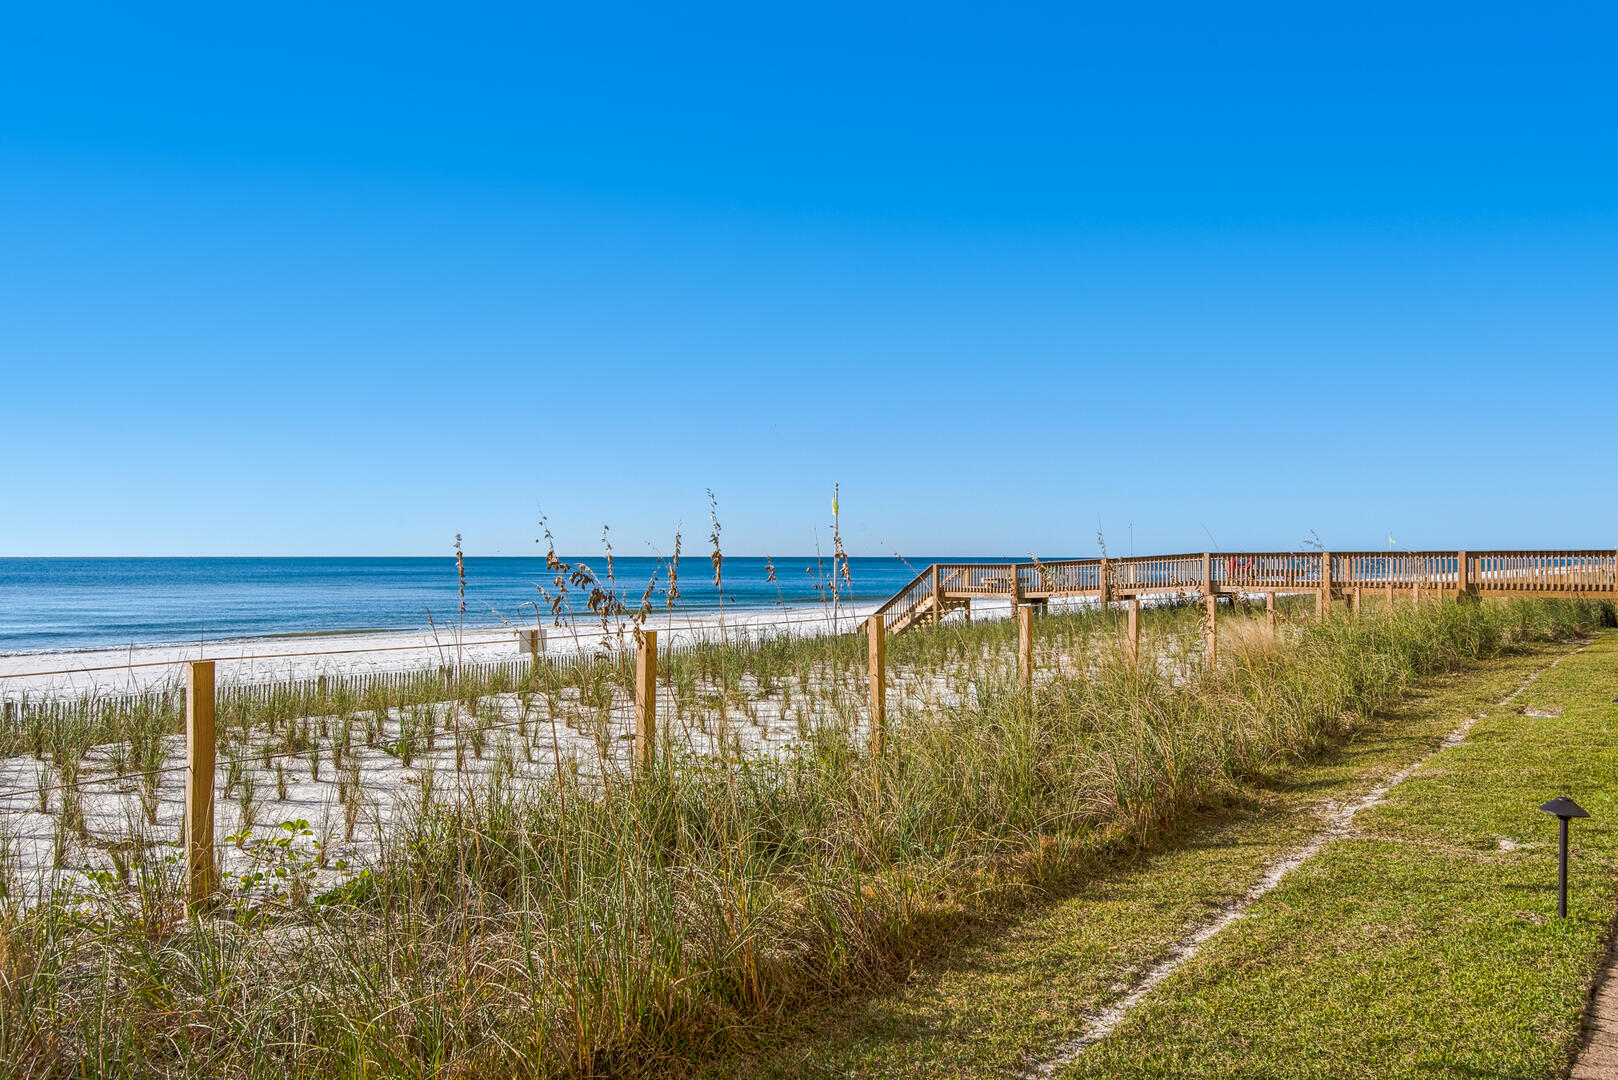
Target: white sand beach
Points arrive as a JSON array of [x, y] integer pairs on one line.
[[70, 673], [35, 850]]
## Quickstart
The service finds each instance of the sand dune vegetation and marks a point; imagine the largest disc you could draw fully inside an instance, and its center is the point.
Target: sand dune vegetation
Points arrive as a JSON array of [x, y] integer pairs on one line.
[[495, 890]]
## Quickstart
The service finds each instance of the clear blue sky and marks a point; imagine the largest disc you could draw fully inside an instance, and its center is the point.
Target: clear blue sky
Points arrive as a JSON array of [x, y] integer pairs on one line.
[[311, 279]]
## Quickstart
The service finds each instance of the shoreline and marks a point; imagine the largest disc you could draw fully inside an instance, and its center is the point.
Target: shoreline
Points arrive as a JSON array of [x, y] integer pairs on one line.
[[57, 673]]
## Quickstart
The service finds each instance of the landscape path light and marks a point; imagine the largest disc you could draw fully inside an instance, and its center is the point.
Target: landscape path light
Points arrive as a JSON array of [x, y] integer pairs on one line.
[[1565, 809]]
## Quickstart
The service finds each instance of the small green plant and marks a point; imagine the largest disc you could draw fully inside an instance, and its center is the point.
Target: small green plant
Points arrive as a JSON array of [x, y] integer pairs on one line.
[[283, 868]]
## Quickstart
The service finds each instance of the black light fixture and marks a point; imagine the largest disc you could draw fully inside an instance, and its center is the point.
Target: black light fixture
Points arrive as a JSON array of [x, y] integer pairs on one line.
[[1565, 809]]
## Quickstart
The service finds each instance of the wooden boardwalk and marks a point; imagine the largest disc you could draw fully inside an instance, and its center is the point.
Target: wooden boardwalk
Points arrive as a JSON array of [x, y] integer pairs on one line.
[[1328, 575]]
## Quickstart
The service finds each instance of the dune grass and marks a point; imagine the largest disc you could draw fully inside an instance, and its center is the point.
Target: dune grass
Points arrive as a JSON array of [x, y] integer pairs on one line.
[[603, 923], [1016, 988]]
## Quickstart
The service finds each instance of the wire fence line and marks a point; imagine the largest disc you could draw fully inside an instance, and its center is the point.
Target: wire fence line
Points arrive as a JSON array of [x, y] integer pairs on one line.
[[264, 759], [100, 716], [619, 710], [583, 634], [10, 793]]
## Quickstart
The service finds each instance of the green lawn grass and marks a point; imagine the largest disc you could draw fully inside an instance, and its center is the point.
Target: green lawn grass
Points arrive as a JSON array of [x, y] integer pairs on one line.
[[1427, 944], [1018, 988]]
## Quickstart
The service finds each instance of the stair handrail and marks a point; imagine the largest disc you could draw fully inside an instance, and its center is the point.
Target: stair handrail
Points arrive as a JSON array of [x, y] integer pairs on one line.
[[898, 598]]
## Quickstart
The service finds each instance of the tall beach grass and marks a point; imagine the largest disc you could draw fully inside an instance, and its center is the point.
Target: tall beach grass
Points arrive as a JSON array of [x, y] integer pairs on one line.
[[609, 923]]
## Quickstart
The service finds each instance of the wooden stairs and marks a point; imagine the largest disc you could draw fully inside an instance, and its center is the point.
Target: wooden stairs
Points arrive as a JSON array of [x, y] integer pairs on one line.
[[931, 609]]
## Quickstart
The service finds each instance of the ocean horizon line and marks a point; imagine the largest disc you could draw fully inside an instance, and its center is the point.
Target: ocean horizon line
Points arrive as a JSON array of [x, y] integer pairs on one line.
[[90, 602]]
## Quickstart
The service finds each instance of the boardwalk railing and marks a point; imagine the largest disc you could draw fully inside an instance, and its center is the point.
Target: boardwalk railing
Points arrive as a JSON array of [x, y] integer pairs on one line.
[[945, 587]]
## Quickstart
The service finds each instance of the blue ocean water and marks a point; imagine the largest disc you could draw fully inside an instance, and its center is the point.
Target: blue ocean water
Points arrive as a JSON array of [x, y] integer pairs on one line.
[[91, 603]]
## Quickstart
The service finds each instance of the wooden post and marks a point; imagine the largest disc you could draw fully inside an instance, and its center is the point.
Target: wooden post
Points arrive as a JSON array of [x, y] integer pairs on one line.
[[1211, 607], [1016, 588], [1354, 601], [1390, 594], [878, 641], [1134, 630], [966, 608], [1269, 611], [938, 598], [1105, 584], [1025, 645], [199, 770], [1325, 581], [645, 698], [1465, 587], [1207, 573], [531, 638]]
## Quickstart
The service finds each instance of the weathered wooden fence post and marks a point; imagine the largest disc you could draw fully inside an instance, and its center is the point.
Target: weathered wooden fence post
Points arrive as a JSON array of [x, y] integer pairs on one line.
[[1104, 584], [1134, 630], [1465, 587], [1325, 584], [1354, 602], [1025, 646], [1269, 611], [645, 698], [531, 639], [199, 770], [938, 598], [876, 634], [1210, 605]]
